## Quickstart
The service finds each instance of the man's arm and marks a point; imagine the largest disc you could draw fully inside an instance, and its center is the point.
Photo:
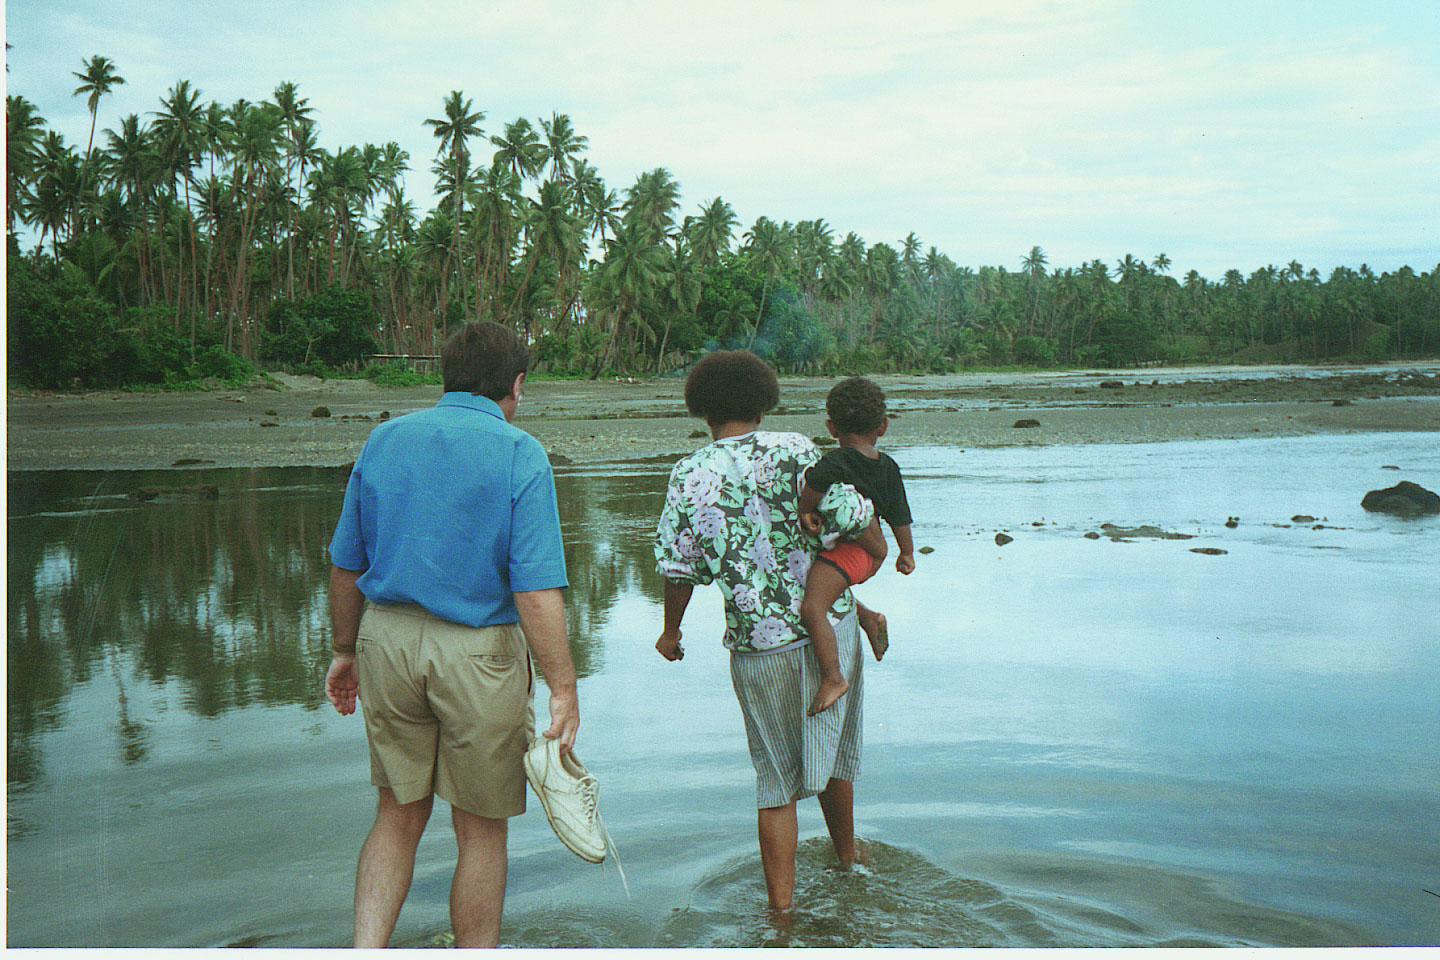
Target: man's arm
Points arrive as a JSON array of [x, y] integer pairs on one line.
[[677, 598], [342, 684], [542, 619]]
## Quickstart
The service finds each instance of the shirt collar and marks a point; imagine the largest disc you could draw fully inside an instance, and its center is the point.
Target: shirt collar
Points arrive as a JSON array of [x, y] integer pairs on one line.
[[471, 401]]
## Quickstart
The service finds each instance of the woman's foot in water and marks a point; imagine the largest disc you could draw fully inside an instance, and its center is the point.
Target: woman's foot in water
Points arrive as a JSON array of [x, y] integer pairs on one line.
[[873, 623], [830, 691]]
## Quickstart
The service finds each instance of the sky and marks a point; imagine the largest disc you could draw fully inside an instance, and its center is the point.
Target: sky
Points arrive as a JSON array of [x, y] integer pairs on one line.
[[1223, 134]]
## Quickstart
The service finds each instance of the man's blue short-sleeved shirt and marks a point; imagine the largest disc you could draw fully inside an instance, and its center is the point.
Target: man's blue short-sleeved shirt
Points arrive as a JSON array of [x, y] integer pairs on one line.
[[452, 508]]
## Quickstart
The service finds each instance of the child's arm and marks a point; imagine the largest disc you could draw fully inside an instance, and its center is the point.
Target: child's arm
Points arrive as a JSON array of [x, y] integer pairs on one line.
[[905, 562], [809, 515]]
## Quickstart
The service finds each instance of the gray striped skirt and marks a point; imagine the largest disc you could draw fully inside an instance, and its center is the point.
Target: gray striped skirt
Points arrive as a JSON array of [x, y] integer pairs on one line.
[[796, 756]]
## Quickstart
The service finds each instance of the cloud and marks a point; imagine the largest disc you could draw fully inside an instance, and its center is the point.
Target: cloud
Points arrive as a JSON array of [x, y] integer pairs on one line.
[[1095, 128]]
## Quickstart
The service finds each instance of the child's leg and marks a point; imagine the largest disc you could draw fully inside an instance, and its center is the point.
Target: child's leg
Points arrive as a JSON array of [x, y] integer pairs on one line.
[[823, 587], [873, 623]]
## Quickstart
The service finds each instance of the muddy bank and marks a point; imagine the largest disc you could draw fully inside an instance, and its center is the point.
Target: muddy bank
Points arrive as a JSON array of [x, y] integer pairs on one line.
[[272, 424]]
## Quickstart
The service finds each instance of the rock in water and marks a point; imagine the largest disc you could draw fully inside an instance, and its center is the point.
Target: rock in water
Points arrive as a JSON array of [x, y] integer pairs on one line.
[[1302, 518], [1209, 551], [927, 550], [1022, 424], [1002, 539], [1232, 522], [1405, 499], [1111, 385], [320, 411]]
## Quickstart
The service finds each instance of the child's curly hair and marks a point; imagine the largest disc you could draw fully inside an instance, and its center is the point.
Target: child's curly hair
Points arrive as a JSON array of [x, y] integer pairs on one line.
[[729, 385], [856, 405]]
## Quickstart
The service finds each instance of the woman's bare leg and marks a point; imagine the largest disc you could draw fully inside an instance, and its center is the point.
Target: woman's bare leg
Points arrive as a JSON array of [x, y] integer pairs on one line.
[[779, 834]]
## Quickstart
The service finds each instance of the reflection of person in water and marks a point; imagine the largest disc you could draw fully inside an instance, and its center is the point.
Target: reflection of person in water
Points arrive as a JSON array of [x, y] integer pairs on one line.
[[450, 532], [731, 517]]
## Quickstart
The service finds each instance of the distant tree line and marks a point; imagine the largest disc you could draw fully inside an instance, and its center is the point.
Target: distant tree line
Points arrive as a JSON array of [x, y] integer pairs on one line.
[[203, 238]]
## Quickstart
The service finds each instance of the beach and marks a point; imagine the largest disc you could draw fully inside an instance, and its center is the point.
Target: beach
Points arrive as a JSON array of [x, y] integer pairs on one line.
[[273, 423]]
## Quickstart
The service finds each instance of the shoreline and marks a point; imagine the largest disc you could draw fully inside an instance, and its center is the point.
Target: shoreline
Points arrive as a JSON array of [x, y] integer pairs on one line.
[[589, 422]]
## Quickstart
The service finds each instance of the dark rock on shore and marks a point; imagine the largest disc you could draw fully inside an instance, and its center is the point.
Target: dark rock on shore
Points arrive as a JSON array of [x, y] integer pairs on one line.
[[189, 462], [1405, 499], [1022, 424], [320, 411], [1111, 384], [1144, 530]]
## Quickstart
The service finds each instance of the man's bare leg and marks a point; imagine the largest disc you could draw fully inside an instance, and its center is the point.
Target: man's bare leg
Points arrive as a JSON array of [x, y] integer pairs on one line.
[[837, 802], [387, 861], [779, 834], [477, 892]]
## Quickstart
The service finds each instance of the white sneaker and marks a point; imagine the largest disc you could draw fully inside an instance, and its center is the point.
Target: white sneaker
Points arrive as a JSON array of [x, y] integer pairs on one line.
[[569, 796]]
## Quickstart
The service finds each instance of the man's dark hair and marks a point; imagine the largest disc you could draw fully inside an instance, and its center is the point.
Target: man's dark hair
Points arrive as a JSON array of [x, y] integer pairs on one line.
[[483, 358], [856, 405], [731, 385]]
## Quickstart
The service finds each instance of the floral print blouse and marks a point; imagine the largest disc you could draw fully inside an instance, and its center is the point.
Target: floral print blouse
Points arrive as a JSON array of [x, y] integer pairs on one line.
[[732, 514]]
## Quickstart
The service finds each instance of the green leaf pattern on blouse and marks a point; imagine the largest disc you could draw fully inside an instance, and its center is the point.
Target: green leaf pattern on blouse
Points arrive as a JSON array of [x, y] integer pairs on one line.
[[731, 515]]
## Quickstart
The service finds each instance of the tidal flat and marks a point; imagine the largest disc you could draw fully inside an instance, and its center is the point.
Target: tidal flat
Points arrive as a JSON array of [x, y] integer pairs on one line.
[[1092, 735], [589, 421]]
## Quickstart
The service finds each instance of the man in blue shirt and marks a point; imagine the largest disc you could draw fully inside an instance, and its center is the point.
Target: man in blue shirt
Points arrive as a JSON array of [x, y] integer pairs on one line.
[[447, 563]]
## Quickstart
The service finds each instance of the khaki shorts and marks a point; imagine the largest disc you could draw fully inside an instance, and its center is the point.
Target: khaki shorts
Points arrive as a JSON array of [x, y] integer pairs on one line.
[[449, 709]]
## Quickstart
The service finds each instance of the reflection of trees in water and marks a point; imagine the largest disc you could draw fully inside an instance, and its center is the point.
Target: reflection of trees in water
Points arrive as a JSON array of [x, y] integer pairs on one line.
[[226, 597], [609, 526]]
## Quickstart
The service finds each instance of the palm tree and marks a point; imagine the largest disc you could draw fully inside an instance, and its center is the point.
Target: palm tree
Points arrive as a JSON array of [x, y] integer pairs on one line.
[[770, 245], [562, 144], [520, 151], [460, 123], [1034, 264], [633, 266], [710, 233], [680, 278], [652, 201], [23, 134], [97, 80]]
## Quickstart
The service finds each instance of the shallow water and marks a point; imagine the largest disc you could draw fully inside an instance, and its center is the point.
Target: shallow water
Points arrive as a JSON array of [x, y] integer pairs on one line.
[[1071, 742]]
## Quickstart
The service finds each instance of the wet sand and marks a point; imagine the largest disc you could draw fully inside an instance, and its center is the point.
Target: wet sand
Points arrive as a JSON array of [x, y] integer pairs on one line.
[[272, 423]]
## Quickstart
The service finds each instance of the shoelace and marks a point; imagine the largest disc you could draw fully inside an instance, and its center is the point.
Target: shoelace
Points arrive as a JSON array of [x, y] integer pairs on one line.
[[614, 852], [589, 795]]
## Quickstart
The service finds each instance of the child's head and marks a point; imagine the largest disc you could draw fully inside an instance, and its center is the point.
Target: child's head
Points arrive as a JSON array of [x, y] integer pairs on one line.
[[856, 405]]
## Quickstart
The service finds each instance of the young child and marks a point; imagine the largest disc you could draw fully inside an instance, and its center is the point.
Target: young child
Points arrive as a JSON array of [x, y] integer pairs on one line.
[[855, 409]]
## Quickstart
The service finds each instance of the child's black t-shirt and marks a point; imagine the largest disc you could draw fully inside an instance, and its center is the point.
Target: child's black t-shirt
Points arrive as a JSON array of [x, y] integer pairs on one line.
[[877, 480]]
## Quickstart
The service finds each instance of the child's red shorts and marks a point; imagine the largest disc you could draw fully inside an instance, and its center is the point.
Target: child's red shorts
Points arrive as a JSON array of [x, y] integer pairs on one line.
[[850, 559]]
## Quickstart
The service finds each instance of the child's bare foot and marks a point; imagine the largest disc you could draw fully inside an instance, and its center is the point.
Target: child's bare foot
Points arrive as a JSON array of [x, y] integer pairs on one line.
[[873, 623], [829, 692]]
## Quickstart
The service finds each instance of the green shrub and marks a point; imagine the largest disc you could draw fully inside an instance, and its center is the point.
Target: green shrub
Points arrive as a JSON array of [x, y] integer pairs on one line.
[[333, 328], [1035, 351], [1376, 344]]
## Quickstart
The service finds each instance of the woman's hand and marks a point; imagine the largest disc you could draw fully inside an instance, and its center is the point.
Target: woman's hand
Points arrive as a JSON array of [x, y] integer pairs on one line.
[[669, 645]]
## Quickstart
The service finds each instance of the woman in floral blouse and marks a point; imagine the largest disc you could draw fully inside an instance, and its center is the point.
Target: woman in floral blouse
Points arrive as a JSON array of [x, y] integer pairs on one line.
[[732, 517]]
